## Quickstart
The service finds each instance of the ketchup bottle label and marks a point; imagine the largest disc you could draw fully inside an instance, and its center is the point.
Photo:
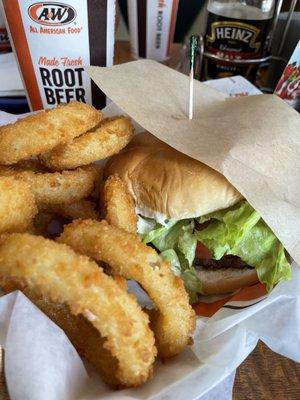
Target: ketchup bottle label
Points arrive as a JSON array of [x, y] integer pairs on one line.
[[235, 40]]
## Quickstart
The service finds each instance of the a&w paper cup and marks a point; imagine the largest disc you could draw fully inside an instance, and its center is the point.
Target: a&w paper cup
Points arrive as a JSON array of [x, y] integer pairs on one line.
[[152, 25], [54, 41]]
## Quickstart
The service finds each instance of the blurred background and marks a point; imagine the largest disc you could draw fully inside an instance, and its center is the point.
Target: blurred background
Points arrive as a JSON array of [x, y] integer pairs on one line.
[[192, 18]]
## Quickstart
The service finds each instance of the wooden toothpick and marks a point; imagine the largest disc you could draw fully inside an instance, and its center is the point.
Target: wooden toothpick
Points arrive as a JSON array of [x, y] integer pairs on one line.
[[194, 40]]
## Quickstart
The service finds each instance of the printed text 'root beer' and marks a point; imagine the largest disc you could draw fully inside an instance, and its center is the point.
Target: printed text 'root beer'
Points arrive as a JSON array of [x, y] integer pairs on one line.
[[54, 41]]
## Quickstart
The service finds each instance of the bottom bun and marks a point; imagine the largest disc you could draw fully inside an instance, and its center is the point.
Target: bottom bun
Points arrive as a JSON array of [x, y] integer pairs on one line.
[[225, 280]]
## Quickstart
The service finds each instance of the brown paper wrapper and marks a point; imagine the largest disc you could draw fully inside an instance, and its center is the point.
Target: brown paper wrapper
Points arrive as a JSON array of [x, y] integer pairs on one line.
[[254, 141]]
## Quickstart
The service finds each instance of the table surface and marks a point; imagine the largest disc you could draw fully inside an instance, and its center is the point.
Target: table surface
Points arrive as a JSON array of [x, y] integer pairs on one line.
[[264, 375]]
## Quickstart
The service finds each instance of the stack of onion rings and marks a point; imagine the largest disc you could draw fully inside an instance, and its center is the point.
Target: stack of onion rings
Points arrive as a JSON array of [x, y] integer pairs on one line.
[[112, 135], [43, 131]]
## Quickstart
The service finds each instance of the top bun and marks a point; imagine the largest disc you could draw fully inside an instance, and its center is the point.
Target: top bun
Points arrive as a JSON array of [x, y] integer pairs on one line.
[[167, 184]]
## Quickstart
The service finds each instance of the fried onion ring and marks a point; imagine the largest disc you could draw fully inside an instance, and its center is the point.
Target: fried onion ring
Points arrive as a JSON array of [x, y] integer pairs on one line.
[[118, 204], [55, 273], [112, 135], [17, 205], [41, 132], [129, 257], [55, 187]]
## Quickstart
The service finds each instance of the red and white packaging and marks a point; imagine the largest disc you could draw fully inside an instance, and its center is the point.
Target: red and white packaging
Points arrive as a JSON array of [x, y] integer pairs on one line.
[[152, 26], [4, 40], [54, 41], [288, 87]]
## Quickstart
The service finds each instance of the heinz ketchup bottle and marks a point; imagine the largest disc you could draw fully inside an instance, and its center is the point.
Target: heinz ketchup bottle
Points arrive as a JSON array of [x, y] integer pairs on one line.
[[236, 29]]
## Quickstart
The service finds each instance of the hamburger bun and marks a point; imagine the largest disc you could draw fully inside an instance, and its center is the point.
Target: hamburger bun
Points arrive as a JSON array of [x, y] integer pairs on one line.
[[167, 184]]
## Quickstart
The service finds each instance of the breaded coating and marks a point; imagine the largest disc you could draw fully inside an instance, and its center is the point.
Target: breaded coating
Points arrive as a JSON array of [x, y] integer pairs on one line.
[[43, 131], [122, 345], [17, 205], [122, 282], [82, 209], [112, 135], [118, 204], [128, 256], [55, 187]]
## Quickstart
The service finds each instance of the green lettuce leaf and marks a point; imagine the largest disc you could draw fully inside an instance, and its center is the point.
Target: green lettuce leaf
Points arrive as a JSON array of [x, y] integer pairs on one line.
[[227, 228], [177, 244], [171, 256], [187, 242], [158, 231], [168, 237], [240, 231], [180, 267], [190, 278], [179, 237]]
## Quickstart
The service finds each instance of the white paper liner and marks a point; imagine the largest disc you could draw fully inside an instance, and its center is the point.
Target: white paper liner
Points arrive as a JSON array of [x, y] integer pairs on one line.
[[40, 362]]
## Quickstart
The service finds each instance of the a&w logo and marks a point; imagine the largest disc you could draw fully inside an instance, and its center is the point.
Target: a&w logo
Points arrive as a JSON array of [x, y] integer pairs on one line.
[[51, 13]]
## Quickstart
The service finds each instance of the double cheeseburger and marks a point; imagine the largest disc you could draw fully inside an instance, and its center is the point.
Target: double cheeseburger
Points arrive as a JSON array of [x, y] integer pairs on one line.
[[197, 220]]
